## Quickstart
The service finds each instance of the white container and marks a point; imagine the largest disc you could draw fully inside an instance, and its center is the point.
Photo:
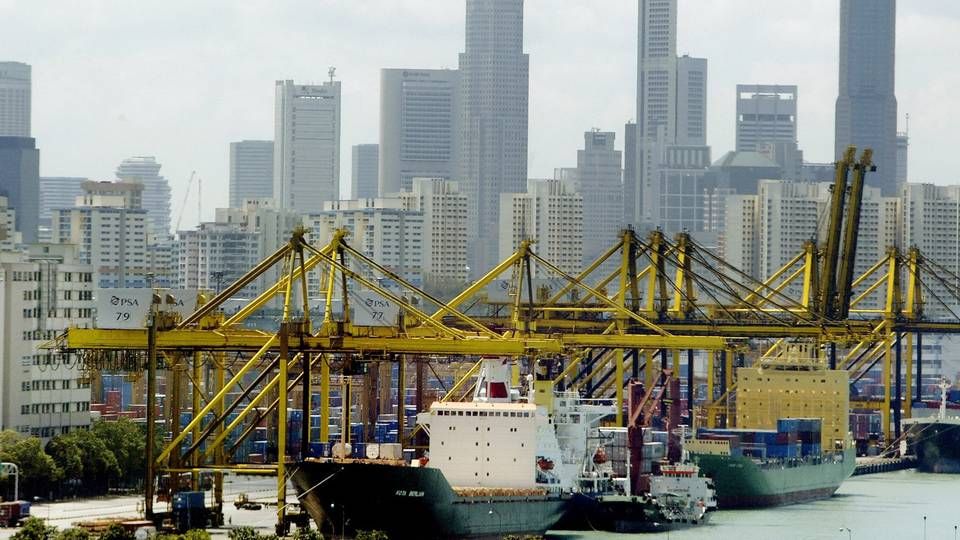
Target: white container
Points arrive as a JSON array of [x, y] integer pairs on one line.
[[373, 451], [342, 450], [391, 451]]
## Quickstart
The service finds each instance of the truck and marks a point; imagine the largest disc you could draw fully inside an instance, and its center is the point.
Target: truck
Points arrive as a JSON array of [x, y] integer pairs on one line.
[[14, 513]]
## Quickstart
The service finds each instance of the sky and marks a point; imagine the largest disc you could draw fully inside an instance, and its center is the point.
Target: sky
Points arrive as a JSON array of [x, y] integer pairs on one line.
[[182, 79]]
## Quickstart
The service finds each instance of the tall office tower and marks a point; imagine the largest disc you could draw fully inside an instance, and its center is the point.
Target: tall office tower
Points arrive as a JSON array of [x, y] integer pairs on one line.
[[419, 129], [306, 145], [631, 188], [156, 191], [111, 232], [445, 239], [903, 147], [549, 213], [15, 98], [766, 113], [494, 73], [20, 182], [364, 167], [46, 290], [671, 102], [58, 192], [598, 180], [866, 115], [691, 101], [251, 171]]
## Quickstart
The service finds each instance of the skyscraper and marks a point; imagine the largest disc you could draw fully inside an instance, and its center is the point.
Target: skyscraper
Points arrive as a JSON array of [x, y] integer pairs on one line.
[[15, 96], [58, 192], [156, 190], [364, 167], [866, 114], [598, 180], [766, 113], [419, 131], [306, 145], [671, 105], [251, 171], [494, 73], [631, 193], [20, 182]]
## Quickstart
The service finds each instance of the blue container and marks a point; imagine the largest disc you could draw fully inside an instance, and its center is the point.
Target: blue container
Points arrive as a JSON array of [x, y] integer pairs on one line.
[[185, 500]]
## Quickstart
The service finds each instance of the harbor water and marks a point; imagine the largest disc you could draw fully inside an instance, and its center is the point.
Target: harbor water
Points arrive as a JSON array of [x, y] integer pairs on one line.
[[877, 506]]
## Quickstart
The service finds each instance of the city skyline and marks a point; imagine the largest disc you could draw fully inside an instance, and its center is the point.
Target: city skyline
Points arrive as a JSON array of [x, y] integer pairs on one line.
[[191, 130]]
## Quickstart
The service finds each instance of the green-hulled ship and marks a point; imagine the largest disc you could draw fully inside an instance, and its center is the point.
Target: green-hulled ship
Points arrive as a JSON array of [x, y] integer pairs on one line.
[[768, 460]]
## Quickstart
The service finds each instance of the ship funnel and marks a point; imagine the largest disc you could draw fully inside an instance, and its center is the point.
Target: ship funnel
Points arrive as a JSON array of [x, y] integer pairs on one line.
[[493, 382]]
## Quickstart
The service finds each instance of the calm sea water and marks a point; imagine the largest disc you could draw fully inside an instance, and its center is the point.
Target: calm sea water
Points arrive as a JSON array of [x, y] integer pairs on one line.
[[880, 506]]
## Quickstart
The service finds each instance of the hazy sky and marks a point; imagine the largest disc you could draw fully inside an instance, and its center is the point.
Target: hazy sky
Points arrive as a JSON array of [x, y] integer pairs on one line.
[[181, 80]]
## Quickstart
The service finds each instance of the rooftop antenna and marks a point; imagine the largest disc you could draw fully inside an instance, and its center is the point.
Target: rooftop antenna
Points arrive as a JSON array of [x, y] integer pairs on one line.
[[331, 71]]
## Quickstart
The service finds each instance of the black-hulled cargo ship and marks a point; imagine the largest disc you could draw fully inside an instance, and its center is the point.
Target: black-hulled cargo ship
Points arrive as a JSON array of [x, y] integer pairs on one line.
[[935, 441]]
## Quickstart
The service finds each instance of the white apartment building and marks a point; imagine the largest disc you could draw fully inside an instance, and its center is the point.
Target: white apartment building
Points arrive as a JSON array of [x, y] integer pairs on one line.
[[10, 238], [551, 214], [306, 145], [444, 210], [382, 229], [216, 254], [43, 292], [110, 231]]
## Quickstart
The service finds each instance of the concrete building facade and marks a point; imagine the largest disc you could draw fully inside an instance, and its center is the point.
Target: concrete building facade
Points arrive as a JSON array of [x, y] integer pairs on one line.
[[58, 192], [866, 110], [15, 99], [306, 151], [364, 167], [598, 179], [419, 126], [42, 293], [766, 113], [551, 214], [445, 237], [251, 171], [493, 120]]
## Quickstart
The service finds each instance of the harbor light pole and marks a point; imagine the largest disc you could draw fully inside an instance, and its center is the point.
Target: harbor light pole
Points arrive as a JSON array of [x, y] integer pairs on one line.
[[849, 532], [924, 527]]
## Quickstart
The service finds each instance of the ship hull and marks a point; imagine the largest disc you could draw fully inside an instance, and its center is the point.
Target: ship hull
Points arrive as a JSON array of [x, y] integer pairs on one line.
[[414, 503], [740, 482], [622, 514], [936, 445]]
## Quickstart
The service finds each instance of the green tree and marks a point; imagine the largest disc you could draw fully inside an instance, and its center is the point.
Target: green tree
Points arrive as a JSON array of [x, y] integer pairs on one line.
[[306, 533], [116, 532], [196, 534], [38, 471], [372, 535], [128, 442], [66, 453], [35, 528], [242, 533], [73, 533]]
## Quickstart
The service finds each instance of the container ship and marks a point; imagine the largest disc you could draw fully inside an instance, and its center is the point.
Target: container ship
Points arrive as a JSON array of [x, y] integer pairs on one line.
[[935, 440], [497, 465], [792, 440]]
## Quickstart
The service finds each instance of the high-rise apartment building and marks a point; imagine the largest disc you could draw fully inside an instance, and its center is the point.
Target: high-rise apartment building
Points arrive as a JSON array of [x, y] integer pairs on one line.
[[598, 180], [43, 292], [10, 238], [20, 182], [251, 171], [214, 255], [364, 167], [306, 151], [156, 190], [494, 88], [550, 213], [15, 97], [445, 240], [419, 126], [671, 104], [110, 231], [866, 114], [58, 192], [382, 229], [766, 113]]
